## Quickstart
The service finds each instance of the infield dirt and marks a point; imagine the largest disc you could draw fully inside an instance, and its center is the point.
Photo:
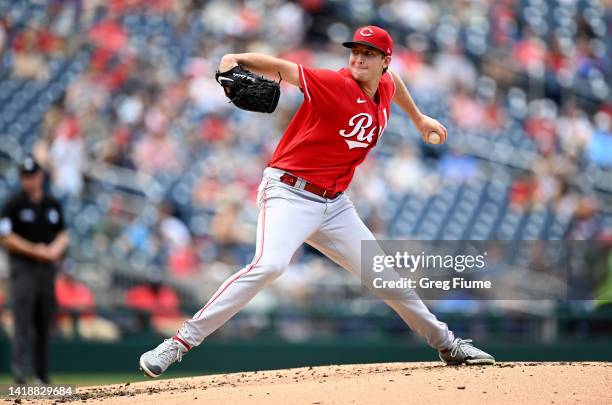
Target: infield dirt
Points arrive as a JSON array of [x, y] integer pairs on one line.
[[390, 383]]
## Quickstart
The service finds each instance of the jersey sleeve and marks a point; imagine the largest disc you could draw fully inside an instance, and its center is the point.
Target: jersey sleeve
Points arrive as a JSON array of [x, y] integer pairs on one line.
[[6, 218], [61, 223], [320, 85]]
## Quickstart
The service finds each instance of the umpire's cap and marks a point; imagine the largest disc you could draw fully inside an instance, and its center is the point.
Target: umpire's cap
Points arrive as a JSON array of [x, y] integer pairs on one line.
[[373, 36], [29, 166]]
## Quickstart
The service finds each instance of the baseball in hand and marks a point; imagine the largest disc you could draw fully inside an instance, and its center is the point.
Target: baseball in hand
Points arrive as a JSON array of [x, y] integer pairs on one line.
[[434, 138]]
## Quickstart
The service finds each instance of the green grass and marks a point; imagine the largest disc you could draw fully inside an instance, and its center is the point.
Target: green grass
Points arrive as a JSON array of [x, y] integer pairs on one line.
[[81, 380]]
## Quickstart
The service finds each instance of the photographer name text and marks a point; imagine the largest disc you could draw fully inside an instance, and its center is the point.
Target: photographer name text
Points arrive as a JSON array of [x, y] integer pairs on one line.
[[429, 284]]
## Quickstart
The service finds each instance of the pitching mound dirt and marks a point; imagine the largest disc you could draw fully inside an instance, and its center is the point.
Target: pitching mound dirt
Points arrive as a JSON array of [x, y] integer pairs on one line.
[[391, 383]]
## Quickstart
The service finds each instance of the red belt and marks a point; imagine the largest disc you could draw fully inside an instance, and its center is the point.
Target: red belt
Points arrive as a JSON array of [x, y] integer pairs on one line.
[[321, 192]]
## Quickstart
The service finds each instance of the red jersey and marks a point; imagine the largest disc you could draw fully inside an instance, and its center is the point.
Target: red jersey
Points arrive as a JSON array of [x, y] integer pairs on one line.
[[334, 129]]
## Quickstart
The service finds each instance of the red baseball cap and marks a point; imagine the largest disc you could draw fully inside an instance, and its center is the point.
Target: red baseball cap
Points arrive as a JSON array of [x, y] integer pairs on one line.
[[373, 36]]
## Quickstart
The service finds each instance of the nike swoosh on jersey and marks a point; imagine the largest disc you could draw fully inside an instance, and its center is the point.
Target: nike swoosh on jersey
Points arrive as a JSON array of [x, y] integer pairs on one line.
[[360, 100], [226, 79]]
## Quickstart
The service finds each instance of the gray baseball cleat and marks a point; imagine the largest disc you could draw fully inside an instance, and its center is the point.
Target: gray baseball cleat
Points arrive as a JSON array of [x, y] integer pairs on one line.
[[156, 361], [462, 351]]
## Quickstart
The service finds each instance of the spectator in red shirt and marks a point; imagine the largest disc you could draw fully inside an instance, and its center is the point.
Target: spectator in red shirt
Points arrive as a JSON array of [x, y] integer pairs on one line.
[[77, 311], [159, 301], [523, 192]]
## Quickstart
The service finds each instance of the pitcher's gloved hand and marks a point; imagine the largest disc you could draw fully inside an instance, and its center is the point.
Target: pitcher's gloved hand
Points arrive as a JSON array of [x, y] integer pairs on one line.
[[249, 91]]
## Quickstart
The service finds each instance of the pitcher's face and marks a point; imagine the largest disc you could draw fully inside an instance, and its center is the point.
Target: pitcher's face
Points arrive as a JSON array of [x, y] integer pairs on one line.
[[367, 63]]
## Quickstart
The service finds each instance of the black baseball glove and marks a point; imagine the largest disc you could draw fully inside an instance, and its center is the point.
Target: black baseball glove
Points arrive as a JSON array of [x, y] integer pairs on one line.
[[248, 90]]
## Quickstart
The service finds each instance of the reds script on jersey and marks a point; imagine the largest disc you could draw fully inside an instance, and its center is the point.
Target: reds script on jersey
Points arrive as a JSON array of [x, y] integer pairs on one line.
[[330, 136]]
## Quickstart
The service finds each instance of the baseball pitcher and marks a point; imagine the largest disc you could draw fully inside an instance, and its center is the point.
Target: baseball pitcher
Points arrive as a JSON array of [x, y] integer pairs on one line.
[[301, 197]]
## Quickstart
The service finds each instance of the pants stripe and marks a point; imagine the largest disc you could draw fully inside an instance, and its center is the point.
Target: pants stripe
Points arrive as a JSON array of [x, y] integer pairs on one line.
[[253, 264]]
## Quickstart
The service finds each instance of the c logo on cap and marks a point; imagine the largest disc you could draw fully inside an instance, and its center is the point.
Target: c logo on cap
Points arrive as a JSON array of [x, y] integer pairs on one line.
[[366, 32]]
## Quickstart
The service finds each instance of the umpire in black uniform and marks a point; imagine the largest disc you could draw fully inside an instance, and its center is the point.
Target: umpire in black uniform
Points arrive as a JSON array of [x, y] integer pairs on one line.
[[33, 232]]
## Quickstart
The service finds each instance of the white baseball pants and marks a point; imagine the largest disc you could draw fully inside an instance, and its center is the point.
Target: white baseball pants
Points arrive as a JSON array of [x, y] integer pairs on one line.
[[288, 217]]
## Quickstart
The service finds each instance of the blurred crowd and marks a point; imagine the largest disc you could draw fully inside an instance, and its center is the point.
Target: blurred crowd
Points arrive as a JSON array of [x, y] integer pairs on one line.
[[146, 107]]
